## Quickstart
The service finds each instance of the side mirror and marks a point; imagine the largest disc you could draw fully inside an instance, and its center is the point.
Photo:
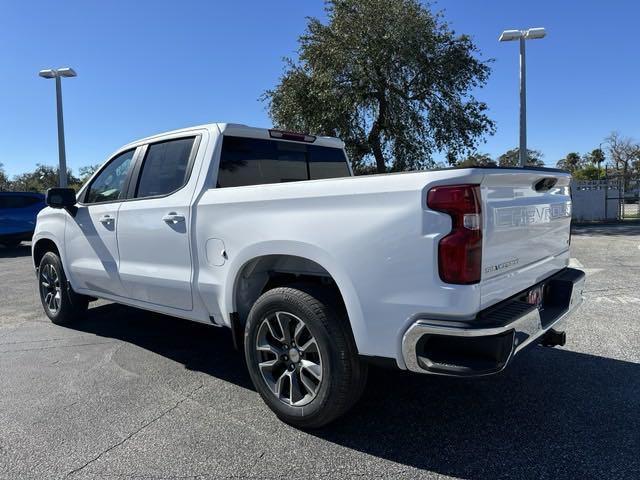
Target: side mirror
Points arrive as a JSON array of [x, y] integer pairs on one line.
[[61, 198]]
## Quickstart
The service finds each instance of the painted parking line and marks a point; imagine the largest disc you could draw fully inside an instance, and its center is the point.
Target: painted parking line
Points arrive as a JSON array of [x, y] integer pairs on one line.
[[575, 263], [610, 299], [619, 300]]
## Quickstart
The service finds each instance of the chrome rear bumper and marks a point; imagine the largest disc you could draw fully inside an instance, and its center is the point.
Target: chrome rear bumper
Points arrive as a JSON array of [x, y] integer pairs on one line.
[[486, 344]]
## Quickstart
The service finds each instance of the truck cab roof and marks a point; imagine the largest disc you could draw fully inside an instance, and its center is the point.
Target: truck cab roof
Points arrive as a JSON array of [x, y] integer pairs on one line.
[[239, 130]]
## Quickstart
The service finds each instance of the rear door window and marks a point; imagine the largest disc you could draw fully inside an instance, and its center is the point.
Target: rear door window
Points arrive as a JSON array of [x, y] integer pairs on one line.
[[255, 161], [165, 168]]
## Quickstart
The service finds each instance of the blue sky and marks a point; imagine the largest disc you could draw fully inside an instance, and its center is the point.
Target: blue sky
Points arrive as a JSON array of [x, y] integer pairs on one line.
[[145, 67]]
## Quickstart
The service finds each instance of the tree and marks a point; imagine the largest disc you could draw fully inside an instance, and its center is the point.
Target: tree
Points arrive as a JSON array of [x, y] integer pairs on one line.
[[86, 172], [476, 160], [596, 157], [390, 78], [570, 163], [589, 172], [511, 158], [5, 184], [41, 179], [625, 156]]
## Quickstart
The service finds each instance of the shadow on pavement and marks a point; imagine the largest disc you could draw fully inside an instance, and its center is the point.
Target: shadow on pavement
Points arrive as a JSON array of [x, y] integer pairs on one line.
[[198, 347], [15, 252], [552, 414], [627, 228]]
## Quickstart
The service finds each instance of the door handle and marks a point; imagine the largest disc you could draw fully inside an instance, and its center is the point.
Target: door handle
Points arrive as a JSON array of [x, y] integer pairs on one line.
[[106, 219], [173, 217]]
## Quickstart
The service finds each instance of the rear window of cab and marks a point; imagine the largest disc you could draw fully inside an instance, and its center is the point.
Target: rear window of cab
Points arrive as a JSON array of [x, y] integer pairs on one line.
[[254, 161]]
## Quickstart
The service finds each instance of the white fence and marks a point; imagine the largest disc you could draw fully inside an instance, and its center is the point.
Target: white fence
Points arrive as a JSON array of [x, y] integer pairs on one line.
[[595, 200]]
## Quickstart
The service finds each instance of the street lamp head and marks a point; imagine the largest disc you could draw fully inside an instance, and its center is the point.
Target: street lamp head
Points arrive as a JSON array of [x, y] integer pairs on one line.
[[509, 35], [535, 33], [59, 72], [531, 34], [48, 73], [70, 72]]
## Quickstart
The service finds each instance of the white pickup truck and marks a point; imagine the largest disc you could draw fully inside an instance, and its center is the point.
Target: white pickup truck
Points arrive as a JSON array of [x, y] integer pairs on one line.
[[317, 273]]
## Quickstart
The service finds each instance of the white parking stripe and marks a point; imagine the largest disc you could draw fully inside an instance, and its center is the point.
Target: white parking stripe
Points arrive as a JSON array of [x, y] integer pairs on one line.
[[575, 263]]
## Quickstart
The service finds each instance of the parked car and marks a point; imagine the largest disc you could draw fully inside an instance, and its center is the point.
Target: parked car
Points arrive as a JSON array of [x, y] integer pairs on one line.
[[317, 273], [18, 211]]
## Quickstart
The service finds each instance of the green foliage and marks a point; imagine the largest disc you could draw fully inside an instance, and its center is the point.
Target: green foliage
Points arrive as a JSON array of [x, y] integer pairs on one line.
[[364, 169], [596, 157], [511, 158], [571, 162], [476, 160], [4, 180], [390, 78], [589, 172], [41, 179], [586, 167]]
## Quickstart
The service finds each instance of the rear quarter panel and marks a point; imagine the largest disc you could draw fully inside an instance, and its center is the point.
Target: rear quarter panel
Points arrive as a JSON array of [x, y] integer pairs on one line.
[[374, 235]]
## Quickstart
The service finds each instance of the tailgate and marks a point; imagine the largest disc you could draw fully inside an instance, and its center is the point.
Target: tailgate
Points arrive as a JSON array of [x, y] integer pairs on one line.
[[526, 230]]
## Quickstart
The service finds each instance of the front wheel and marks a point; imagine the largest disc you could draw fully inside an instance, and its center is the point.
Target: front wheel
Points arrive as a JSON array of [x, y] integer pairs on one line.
[[61, 304], [302, 357]]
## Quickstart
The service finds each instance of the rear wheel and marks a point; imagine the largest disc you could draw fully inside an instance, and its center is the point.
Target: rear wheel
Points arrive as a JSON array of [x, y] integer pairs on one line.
[[301, 356], [61, 304]]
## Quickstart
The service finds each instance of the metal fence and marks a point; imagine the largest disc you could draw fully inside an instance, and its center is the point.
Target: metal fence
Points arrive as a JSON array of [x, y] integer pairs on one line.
[[631, 200]]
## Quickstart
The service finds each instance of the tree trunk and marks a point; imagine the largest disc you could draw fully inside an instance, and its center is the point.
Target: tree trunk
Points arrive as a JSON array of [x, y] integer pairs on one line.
[[374, 136], [376, 148]]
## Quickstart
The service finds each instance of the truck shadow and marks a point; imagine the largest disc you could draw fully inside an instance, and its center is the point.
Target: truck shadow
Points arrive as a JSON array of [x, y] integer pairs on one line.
[[552, 414], [198, 347], [612, 229], [21, 250]]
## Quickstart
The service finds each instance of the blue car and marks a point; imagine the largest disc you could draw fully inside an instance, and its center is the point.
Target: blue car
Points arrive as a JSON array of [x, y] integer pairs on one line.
[[18, 212]]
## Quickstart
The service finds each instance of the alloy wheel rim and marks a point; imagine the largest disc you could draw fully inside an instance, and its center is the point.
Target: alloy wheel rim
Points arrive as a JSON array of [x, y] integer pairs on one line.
[[289, 359], [50, 288]]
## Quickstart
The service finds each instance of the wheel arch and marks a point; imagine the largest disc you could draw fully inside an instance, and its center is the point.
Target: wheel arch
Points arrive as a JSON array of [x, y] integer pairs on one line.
[[41, 246], [265, 269], [45, 242]]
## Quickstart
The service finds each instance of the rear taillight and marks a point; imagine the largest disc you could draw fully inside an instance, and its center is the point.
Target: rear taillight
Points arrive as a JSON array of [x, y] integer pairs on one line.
[[460, 251]]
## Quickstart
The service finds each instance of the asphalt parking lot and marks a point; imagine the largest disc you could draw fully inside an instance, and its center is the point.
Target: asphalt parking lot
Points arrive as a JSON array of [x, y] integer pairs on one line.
[[129, 394]]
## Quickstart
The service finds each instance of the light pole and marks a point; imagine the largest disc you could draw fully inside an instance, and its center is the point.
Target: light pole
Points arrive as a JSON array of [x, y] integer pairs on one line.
[[522, 35], [58, 74]]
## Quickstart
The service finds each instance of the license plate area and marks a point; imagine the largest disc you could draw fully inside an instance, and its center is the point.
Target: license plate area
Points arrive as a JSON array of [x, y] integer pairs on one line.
[[536, 296]]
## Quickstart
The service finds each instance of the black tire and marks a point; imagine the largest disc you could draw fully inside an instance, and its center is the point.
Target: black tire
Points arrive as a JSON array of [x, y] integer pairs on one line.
[[61, 304], [343, 374]]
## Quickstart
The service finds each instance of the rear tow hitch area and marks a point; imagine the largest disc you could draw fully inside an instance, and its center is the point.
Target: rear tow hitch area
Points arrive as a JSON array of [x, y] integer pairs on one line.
[[554, 338]]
